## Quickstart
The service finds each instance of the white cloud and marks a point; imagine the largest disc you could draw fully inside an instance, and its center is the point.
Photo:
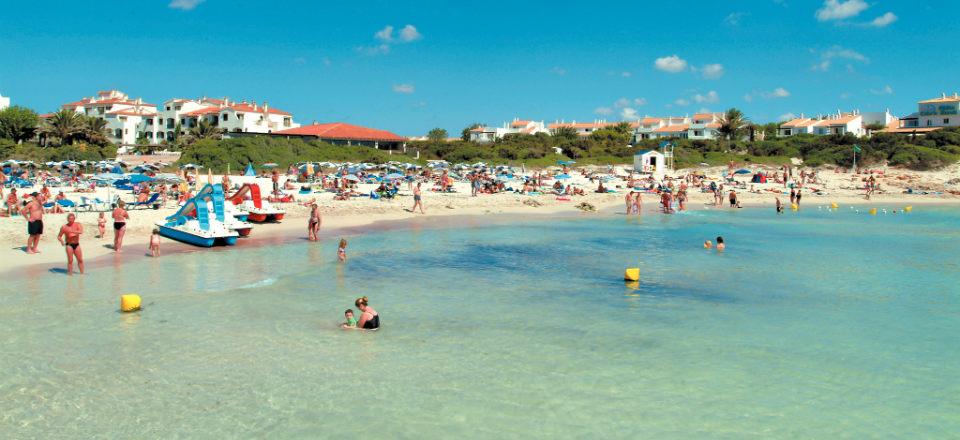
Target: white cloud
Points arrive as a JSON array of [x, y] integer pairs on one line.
[[409, 33], [886, 90], [626, 74], [776, 93], [671, 64], [603, 111], [787, 116], [845, 95], [639, 101], [629, 114], [621, 103], [380, 49], [681, 102], [884, 20], [837, 52], [748, 97], [839, 9], [404, 88], [710, 98], [186, 5], [733, 19], [385, 35], [712, 71], [558, 71]]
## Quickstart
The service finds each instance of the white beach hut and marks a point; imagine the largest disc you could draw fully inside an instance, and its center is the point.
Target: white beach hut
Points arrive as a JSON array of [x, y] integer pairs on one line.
[[650, 162]]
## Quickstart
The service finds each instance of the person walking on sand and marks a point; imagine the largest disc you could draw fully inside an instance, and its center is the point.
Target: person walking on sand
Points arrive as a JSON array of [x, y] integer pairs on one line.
[[33, 212], [417, 199], [69, 238], [629, 202], [313, 225], [120, 217], [155, 243], [101, 225]]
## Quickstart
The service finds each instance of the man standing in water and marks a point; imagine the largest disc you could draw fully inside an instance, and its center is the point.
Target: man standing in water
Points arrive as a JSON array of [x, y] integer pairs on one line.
[[33, 212], [417, 199], [69, 237]]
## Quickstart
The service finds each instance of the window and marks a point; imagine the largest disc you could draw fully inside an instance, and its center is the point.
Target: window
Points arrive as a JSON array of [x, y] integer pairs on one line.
[[698, 133], [118, 133], [946, 121], [177, 108], [149, 121], [787, 132], [168, 108], [224, 117], [170, 123], [149, 135], [126, 131], [929, 122]]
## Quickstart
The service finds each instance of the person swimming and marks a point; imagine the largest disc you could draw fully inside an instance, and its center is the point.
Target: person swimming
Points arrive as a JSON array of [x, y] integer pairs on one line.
[[708, 244], [369, 318], [351, 321], [720, 245]]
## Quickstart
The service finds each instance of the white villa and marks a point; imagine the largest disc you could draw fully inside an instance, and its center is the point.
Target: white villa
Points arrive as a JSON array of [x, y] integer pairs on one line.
[[517, 126], [582, 128], [124, 116], [4, 102], [932, 114], [132, 119], [700, 126], [838, 123]]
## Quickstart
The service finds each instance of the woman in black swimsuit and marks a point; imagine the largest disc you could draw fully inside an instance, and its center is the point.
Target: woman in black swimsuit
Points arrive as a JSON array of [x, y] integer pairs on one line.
[[369, 318]]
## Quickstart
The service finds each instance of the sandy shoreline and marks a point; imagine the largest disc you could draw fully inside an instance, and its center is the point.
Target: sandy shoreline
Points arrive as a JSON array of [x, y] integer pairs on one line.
[[344, 218]]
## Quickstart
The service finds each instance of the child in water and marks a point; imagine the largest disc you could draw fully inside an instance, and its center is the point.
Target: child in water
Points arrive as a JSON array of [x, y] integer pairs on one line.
[[720, 245], [707, 244], [342, 250], [155, 243], [351, 321]]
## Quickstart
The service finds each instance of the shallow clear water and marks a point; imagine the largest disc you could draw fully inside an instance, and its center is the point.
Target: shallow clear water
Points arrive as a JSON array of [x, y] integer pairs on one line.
[[811, 325]]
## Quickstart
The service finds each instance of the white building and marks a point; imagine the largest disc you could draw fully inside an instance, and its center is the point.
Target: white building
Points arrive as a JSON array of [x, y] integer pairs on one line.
[[517, 126], [124, 116], [4, 102], [132, 119], [650, 162], [231, 116], [582, 128], [854, 123], [700, 126]]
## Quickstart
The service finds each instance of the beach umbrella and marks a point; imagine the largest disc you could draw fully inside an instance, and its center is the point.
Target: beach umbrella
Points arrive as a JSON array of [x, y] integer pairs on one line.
[[394, 176], [168, 178], [743, 171], [269, 165], [139, 178], [562, 176], [351, 178], [191, 166]]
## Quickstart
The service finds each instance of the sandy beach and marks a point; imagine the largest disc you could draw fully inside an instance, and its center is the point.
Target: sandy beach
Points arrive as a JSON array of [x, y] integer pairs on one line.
[[362, 213]]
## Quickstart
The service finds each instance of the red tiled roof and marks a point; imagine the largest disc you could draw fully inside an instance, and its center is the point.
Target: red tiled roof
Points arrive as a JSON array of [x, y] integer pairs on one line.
[[709, 116], [132, 112], [519, 124], [646, 121], [597, 125], [45, 115], [104, 102], [909, 130], [340, 130], [672, 128], [202, 111], [247, 108]]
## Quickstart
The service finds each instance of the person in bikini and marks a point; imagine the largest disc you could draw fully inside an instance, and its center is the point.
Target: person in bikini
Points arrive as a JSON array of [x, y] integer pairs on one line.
[[69, 238], [120, 217]]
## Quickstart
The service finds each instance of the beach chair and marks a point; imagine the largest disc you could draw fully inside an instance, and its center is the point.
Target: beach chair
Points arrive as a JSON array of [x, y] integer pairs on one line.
[[147, 203]]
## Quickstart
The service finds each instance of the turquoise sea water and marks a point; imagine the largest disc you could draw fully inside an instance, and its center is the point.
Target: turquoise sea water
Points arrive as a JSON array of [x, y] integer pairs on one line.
[[811, 325]]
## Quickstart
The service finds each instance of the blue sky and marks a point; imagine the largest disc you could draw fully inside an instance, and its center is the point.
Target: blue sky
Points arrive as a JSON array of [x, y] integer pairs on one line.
[[411, 66]]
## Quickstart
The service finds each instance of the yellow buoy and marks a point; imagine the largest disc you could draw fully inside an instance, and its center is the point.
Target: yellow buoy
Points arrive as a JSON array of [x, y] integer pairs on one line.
[[632, 274], [908, 209], [794, 206], [129, 303], [834, 205], [873, 211]]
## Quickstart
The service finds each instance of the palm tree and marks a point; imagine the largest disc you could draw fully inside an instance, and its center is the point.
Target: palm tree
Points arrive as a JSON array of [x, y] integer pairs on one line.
[[203, 130], [622, 128], [568, 133], [731, 123], [95, 131], [64, 126]]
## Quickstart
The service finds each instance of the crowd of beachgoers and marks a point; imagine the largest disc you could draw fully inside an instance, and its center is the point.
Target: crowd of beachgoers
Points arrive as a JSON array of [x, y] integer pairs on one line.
[[106, 208]]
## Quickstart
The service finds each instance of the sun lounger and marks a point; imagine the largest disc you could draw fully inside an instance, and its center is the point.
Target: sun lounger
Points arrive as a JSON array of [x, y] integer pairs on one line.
[[147, 203]]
